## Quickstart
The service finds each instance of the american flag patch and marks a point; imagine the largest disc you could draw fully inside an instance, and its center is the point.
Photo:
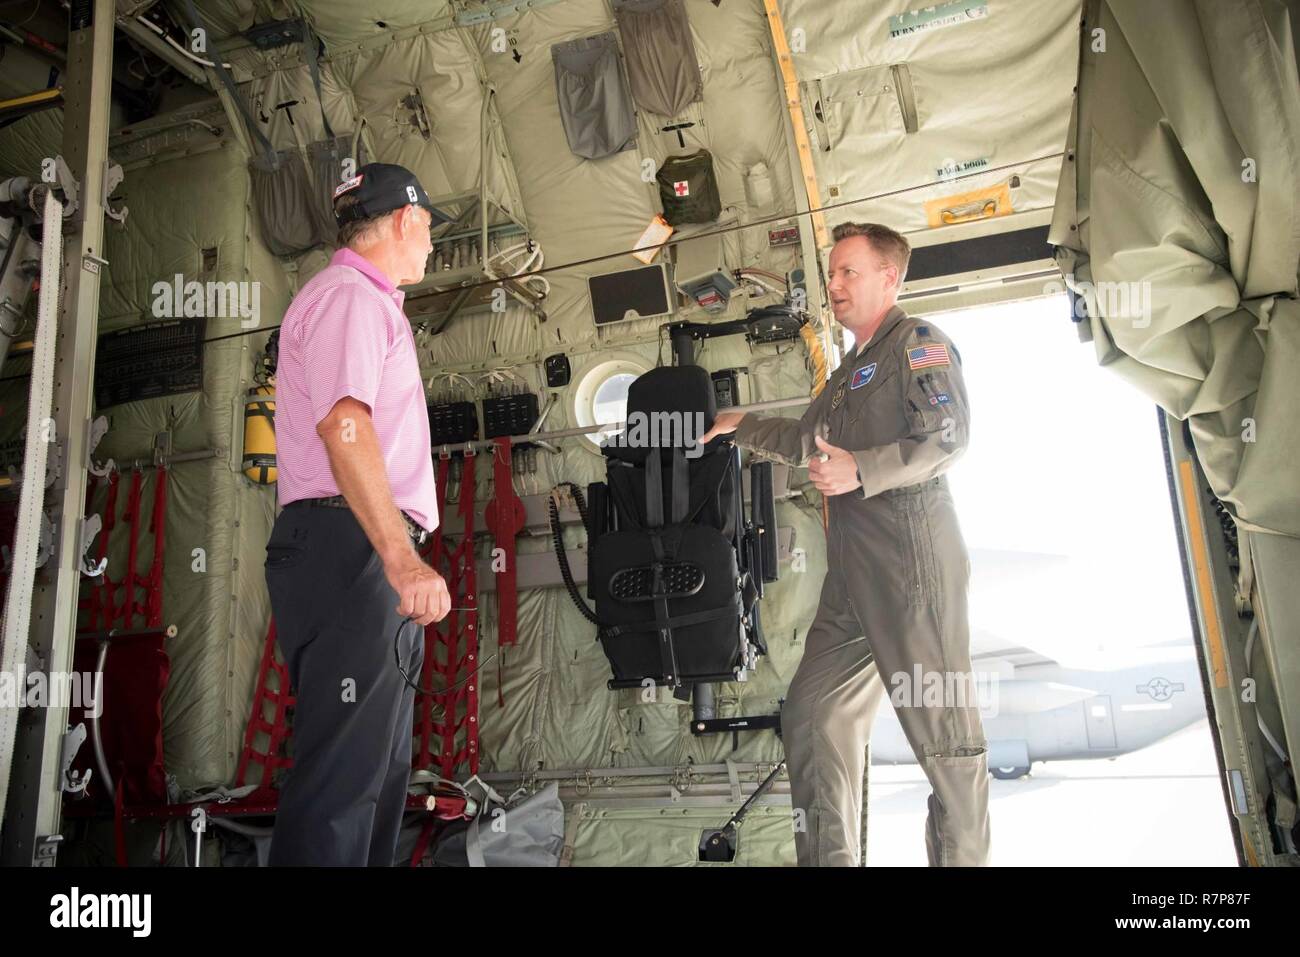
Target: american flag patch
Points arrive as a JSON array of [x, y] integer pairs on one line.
[[926, 356]]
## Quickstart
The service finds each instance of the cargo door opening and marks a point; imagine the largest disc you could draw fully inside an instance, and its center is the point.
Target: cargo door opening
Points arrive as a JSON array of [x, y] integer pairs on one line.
[[1091, 692]]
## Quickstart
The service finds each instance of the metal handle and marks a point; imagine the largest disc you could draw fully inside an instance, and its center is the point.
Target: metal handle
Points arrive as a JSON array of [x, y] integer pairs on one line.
[[969, 212]]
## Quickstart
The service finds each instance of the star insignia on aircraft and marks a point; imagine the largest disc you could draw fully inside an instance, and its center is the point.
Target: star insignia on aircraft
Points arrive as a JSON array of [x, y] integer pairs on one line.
[[1160, 689]]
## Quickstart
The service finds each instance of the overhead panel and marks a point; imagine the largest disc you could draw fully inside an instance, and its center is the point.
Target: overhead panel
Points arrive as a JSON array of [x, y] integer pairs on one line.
[[943, 115]]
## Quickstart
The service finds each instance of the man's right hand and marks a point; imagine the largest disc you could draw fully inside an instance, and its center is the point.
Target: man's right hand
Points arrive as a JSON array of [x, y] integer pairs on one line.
[[421, 592], [723, 424]]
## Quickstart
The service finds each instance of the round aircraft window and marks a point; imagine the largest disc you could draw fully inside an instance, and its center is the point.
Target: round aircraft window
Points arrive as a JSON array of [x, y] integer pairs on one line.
[[601, 396]]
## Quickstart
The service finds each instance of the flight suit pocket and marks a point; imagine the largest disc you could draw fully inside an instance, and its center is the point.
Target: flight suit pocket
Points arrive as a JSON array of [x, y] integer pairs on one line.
[[860, 399], [932, 401], [871, 412], [964, 756], [916, 548]]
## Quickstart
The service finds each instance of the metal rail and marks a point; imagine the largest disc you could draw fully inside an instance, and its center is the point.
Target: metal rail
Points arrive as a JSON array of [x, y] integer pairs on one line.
[[482, 445]]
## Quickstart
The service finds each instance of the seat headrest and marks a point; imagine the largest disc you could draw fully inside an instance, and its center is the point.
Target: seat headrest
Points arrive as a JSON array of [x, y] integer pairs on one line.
[[668, 407]]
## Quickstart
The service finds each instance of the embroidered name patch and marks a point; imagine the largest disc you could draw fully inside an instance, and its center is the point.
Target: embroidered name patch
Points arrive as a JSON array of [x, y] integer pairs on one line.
[[926, 356], [863, 376]]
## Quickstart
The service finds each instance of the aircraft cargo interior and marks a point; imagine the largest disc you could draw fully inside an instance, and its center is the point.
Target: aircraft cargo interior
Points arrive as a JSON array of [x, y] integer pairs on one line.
[[636, 433]]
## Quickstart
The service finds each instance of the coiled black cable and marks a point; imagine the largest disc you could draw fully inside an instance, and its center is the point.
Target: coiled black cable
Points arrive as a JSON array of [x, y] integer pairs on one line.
[[433, 692], [557, 536], [1228, 525]]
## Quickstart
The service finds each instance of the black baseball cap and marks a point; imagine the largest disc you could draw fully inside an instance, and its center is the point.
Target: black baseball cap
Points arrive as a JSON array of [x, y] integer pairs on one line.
[[381, 188]]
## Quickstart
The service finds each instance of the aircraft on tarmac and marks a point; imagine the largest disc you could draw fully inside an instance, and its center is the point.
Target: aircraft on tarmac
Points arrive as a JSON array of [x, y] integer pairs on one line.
[[1045, 692], [1043, 711]]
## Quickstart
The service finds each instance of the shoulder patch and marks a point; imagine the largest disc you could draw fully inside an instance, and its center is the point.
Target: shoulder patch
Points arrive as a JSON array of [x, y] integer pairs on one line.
[[924, 357], [923, 331]]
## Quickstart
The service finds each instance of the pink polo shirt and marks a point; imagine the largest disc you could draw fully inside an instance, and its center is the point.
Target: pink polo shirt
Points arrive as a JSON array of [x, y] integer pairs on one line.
[[345, 334]]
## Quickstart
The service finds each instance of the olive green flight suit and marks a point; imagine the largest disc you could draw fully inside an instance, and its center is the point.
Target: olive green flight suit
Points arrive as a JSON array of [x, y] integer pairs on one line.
[[894, 598]]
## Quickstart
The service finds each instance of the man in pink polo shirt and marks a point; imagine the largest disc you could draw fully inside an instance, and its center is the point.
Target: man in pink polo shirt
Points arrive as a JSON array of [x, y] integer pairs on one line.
[[357, 493]]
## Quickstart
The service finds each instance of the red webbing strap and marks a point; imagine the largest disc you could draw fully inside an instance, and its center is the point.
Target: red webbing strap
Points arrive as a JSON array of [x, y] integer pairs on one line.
[[276, 727], [443, 641], [130, 607], [103, 607], [422, 843], [469, 595], [425, 726], [157, 522], [505, 520], [104, 610]]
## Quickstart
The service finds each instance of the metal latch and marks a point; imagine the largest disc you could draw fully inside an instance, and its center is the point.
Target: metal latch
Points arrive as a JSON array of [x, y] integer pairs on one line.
[[72, 742], [46, 851], [89, 529]]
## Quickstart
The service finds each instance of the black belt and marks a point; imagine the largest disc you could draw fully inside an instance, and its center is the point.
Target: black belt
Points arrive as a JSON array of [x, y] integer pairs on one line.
[[413, 528]]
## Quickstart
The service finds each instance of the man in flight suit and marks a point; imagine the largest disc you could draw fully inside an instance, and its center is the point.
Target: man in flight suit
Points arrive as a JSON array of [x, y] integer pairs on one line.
[[890, 421]]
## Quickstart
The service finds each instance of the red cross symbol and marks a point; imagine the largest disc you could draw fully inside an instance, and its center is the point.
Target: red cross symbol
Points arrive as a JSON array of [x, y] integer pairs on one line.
[[681, 187]]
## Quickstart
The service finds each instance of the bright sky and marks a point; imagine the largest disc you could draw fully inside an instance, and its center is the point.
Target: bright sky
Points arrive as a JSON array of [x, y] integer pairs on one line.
[[1065, 460]]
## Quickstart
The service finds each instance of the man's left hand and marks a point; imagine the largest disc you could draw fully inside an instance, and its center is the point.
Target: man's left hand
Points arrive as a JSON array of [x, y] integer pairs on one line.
[[835, 471]]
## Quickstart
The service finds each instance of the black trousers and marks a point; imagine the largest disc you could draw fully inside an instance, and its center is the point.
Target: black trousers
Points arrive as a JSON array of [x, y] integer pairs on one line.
[[336, 618]]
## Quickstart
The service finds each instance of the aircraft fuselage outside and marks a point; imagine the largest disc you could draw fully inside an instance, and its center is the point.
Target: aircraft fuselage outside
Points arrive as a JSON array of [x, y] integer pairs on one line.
[[1128, 709]]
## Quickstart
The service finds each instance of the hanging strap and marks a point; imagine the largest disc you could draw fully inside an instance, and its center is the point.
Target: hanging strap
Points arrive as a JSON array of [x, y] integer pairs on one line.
[[505, 519], [131, 607], [422, 842], [627, 501], [654, 489], [459, 640], [356, 140], [310, 53], [469, 593], [681, 486], [424, 704], [571, 834], [681, 511], [157, 524], [228, 81], [678, 621]]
